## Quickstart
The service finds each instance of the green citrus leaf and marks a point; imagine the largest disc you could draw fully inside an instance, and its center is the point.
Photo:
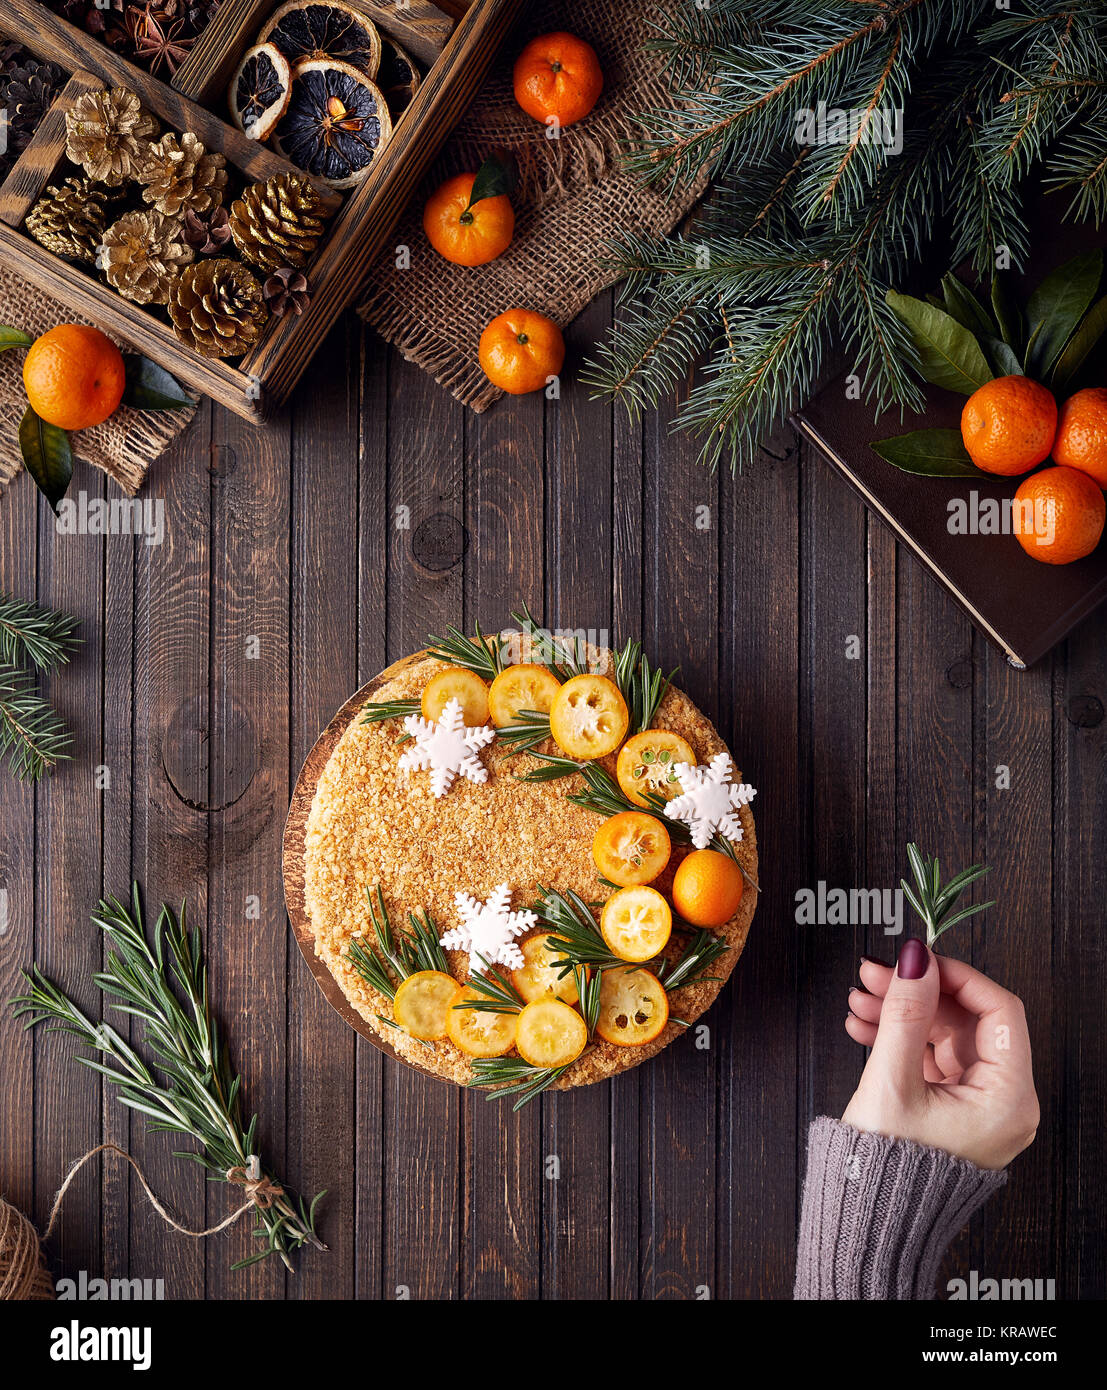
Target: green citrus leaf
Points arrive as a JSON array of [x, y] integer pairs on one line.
[[495, 178], [1092, 327], [949, 354], [1002, 356], [13, 337], [961, 304], [47, 456], [1057, 306], [150, 387], [930, 454], [1008, 314]]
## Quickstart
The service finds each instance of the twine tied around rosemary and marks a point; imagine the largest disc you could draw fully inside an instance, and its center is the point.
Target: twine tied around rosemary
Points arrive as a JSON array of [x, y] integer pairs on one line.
[[23, 1271]]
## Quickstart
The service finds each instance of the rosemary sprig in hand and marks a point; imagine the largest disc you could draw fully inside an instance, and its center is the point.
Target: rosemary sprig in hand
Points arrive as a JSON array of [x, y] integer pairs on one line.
[[933, 902], [192, 1089]]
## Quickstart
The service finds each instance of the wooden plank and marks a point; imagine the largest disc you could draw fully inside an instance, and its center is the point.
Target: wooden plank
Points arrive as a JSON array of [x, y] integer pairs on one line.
[[501, 1211], [420, 1245], [937, 675], [169, 829], [18, 868], [363, 226], [422, 28], [576, 1126], [1079, 959], [374, 529], [49, 36], [247, 799], [82, 294], [28, 177], [760, 1065], [625, 1167], [833, 679], [68, 948], [1012, 944], [323, 672], [680, 628]]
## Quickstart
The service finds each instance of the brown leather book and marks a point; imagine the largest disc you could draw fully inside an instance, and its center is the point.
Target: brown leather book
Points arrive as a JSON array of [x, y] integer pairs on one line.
[[1024, 605]]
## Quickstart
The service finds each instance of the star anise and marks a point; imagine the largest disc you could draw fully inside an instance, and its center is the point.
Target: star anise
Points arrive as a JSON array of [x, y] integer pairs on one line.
[[207, 233], [287, 291], [157, 41]]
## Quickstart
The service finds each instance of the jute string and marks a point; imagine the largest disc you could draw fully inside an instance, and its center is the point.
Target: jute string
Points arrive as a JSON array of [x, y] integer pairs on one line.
[[23, 1272]]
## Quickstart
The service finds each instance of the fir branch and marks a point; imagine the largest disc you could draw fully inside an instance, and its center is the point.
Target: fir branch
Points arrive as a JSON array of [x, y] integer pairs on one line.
[[192, 1089], [29, 633], [33, 737], [933, 901]]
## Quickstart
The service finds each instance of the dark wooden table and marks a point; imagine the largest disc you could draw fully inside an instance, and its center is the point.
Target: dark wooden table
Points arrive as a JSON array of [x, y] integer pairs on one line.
[[857, 698]]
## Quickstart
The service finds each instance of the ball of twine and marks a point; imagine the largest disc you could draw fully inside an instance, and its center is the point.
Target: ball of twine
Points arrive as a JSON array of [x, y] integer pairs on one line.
[[23, 1272]]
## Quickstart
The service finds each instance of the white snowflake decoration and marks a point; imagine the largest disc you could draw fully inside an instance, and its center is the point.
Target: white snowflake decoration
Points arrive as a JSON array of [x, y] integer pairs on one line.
[[488, 930], [447, 747], [710, 801]]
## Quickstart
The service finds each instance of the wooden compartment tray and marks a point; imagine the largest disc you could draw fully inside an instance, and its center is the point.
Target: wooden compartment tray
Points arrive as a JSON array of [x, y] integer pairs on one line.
[[455, 40]]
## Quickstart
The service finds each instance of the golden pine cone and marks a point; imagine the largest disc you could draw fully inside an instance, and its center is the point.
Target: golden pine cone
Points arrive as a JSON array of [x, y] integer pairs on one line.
[[279, 222], [107, 133], [179, 173], [143, 253], [217, 308], [70, 220]]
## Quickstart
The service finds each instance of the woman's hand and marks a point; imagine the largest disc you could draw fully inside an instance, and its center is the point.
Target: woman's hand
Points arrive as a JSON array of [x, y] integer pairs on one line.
[[950, 1065]]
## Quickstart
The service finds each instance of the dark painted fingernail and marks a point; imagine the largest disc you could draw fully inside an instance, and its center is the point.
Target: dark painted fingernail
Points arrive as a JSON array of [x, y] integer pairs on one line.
[[914, 960], [876, 960]]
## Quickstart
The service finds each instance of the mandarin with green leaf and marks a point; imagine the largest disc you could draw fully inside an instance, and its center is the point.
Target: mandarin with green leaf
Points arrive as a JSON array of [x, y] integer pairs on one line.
[[1008, 425]]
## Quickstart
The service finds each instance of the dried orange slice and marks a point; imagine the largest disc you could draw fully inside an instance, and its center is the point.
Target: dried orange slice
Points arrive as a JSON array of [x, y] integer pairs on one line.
[[480, 1032], [336, 124], [646, 763], [589, 717], [540, 976], [550, 1034], [460, 684], [525, 685], [634, 1007], [397, 77], [259, 91], [422, 1004], [311, 29], [631, 848], [636, 923]]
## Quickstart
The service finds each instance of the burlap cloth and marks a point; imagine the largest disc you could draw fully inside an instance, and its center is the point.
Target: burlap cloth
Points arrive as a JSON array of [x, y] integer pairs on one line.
[[574, 196], [123, 446]]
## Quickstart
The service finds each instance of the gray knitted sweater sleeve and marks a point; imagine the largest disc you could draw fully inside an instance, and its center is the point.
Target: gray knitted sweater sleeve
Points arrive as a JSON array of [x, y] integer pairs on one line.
[[878, 1213]]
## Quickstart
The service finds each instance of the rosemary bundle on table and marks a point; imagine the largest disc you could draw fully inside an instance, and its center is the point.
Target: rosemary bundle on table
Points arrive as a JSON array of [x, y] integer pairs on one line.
[[191, 1089]]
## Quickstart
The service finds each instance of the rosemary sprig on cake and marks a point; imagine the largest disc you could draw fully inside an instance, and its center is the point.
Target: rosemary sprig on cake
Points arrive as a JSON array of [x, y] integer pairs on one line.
[[691, 966], [512, 1076], [498, 994], [399, 954], [483, 655], [934, 902], [192, 1089]]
